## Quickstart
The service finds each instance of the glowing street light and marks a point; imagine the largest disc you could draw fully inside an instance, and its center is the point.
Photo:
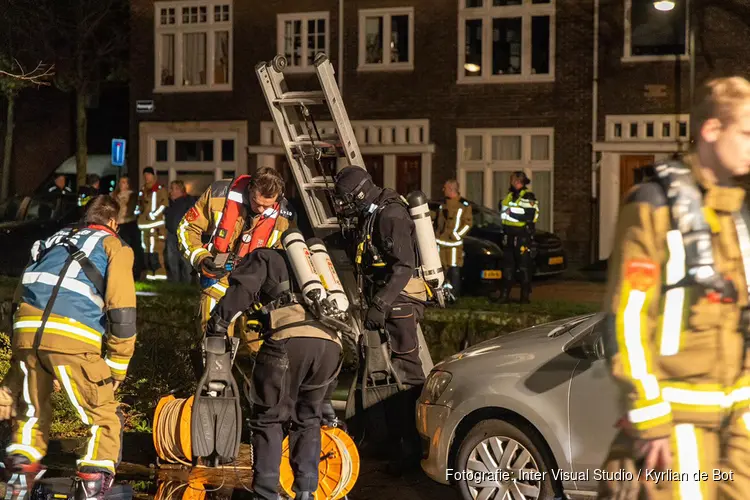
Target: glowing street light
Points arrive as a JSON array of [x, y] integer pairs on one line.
[[664, 5]]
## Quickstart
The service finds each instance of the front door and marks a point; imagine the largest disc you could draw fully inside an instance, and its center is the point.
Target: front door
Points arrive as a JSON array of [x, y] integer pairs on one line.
[[629, 164], [408, 174]]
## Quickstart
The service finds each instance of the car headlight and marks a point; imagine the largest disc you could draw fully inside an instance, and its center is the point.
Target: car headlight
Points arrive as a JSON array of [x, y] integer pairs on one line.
[[434, 386]]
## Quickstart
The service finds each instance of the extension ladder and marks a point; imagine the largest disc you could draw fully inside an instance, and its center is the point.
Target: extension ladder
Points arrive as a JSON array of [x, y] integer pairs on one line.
[[304, 145]]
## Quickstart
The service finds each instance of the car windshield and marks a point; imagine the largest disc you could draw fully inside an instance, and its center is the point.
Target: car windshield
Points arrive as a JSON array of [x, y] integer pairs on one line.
[[41, 209], [9, 209], [486, 218]]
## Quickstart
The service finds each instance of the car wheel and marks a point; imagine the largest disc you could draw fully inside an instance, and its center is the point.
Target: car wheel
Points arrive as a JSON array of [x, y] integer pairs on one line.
[[498, 460]]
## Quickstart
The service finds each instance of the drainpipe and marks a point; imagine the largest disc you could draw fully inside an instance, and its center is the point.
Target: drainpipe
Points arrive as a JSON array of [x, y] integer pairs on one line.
[[341, 47], [594, 136]]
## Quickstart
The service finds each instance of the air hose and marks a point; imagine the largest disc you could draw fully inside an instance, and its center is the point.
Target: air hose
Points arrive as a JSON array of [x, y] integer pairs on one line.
[[172, 430]]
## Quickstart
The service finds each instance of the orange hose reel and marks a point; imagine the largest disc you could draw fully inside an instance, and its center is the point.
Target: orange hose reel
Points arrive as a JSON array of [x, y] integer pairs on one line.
[[171, 431], [339, 465]]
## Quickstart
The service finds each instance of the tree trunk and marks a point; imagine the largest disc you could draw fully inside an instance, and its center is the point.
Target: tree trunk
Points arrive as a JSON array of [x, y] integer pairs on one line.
[[8, 147], [81, 139]]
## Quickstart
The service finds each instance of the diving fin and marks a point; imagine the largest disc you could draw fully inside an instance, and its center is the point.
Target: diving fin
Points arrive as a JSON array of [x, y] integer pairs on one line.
[[216, 426]]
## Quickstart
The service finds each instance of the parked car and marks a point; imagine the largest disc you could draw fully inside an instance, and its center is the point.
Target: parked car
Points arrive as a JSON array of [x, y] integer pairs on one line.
[[522, 402]]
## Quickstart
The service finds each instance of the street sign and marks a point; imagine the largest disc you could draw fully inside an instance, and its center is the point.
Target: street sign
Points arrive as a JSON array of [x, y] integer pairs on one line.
[[144, 106], [118, 152]]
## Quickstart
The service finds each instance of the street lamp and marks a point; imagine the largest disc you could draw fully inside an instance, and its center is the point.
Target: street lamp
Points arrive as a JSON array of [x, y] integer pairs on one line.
[[667, 5]]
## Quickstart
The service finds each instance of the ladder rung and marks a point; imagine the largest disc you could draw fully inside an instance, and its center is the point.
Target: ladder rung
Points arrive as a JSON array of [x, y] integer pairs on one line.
[[307, 144], [312, 97], [323, 138], [311, 186]]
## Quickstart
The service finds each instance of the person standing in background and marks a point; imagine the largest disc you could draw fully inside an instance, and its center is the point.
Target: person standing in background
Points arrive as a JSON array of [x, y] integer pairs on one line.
[[152, 202], [127, 199], [179, 269], [454, 220]]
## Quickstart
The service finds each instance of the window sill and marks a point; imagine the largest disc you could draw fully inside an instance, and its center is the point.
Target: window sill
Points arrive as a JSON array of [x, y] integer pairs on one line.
[[499, 79], [647, 59], [192, 89], [385, 67]]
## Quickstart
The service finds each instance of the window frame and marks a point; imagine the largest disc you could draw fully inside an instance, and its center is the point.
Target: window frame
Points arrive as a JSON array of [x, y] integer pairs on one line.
[[387, 15], [210, 28], [304, 17], [486, 14], [488, 166], [627, 48]]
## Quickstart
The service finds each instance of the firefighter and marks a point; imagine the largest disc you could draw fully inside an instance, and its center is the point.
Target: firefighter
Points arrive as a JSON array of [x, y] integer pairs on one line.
[[677, 300], [519, 212], [297, 361], [91, 189], [153, 200], [76, 295], [394, 292], [454, 219]]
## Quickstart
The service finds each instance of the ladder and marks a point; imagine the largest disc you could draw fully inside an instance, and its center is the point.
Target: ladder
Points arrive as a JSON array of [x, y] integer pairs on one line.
[[307, 150]]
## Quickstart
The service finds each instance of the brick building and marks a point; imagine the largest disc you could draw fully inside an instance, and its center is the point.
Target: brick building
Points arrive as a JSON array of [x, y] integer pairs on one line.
[[472, 89]]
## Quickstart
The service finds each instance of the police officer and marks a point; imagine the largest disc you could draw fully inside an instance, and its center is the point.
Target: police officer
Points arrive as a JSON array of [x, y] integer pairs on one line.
[[297, 361], [153, 200], [454, 219], [91, 189], [76, 296], [677, 298], [394, 293], [519, 212], [60, 187]]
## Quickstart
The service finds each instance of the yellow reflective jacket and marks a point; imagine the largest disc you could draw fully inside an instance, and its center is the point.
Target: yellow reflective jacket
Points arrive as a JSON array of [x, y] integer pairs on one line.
[[677, 355]]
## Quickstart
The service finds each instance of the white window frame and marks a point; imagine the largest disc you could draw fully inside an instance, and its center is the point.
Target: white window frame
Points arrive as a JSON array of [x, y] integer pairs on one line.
[[628, 56], [304, 17], [386, 14], [486, 13], [217, 166], [210, 27], [488, 166]]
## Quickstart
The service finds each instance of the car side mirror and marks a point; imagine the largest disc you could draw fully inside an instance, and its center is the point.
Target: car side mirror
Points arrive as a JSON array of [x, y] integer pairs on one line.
[[588, 350]]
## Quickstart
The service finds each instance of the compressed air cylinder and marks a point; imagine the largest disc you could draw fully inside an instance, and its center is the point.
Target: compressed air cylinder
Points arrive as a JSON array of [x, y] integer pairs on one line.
[[324, 266], [432, 269], [300, 259]]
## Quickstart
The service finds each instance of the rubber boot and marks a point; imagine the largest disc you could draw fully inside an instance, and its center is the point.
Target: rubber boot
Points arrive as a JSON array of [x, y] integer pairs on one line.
[[504, 296], [304, 495], [19, 476], [92, 485]]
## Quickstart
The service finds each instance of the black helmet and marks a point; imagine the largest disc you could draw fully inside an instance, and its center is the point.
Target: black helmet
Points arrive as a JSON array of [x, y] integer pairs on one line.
[[355, 188]]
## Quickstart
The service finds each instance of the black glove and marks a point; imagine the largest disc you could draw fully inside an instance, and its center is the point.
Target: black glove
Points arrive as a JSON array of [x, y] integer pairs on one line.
[[209, 269], [216, 327], [375, 319]]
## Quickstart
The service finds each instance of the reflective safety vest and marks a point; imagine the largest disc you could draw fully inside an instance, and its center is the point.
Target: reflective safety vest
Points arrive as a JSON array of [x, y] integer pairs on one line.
[[79, 297], [520, 210], [152, 202]]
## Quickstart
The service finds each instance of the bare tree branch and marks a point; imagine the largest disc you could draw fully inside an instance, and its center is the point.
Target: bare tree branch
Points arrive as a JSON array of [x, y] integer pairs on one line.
[[38, 76]]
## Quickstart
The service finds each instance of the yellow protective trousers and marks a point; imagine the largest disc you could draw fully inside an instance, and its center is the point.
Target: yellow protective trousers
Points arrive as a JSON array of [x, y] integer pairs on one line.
[[87, 382]]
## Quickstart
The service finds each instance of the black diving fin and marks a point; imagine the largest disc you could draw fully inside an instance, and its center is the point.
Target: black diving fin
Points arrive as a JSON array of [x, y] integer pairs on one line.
[[216, 426]]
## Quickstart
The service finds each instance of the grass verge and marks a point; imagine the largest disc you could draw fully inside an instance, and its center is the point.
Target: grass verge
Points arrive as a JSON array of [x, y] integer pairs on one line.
[[167, 338]]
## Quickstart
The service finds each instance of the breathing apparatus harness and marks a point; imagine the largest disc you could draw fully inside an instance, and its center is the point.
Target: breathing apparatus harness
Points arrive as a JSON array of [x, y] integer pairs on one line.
[[692, 220]]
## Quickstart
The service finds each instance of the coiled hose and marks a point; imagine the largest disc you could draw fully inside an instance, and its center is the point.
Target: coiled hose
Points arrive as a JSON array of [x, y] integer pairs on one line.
[[172, 430]]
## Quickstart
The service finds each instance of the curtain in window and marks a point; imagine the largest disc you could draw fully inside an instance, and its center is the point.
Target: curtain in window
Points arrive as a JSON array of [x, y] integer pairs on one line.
[[541, 185], [506, 147], [500, 185], [221, 57], [194, 59], [167, 59], [540, 147], [474, 189]]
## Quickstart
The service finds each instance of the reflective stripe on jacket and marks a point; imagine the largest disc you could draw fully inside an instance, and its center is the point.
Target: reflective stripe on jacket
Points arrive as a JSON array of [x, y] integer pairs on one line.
[[152, 202], [81, 317], [677, 354], [518, 211], [454, 220]]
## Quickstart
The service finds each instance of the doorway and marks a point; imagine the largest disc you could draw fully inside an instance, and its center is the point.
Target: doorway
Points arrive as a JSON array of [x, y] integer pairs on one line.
[[630, 166], [408, 174], [374, 165]]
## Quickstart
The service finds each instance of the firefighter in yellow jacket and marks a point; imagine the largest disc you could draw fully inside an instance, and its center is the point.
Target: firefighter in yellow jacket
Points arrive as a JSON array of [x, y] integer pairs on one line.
[[678, 302], [153, 200], [454, 219], [76, 296], [238, 217]]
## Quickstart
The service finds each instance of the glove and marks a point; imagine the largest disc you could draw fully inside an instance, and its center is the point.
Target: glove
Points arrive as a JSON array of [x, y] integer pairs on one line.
[[211, 270], [7, 404], [217, 327], [375, 319]]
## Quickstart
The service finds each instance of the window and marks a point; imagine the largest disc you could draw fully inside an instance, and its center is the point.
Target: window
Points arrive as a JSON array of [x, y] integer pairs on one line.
[[487, 157], [300, 37], [193, 46], [386, 39], [506, 41], [652, 34]]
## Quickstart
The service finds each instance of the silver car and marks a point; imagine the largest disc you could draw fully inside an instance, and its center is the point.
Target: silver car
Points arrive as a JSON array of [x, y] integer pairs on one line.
[[527, 415]]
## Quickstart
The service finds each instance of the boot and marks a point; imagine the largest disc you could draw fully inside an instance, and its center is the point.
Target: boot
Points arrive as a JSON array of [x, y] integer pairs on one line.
[[504, 296], [526, 293], [304, 495], [92, 485], [19, 476]]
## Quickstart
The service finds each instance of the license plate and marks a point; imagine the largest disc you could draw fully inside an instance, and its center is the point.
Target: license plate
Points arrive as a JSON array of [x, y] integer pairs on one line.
[[492, 275], [555, 260]]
